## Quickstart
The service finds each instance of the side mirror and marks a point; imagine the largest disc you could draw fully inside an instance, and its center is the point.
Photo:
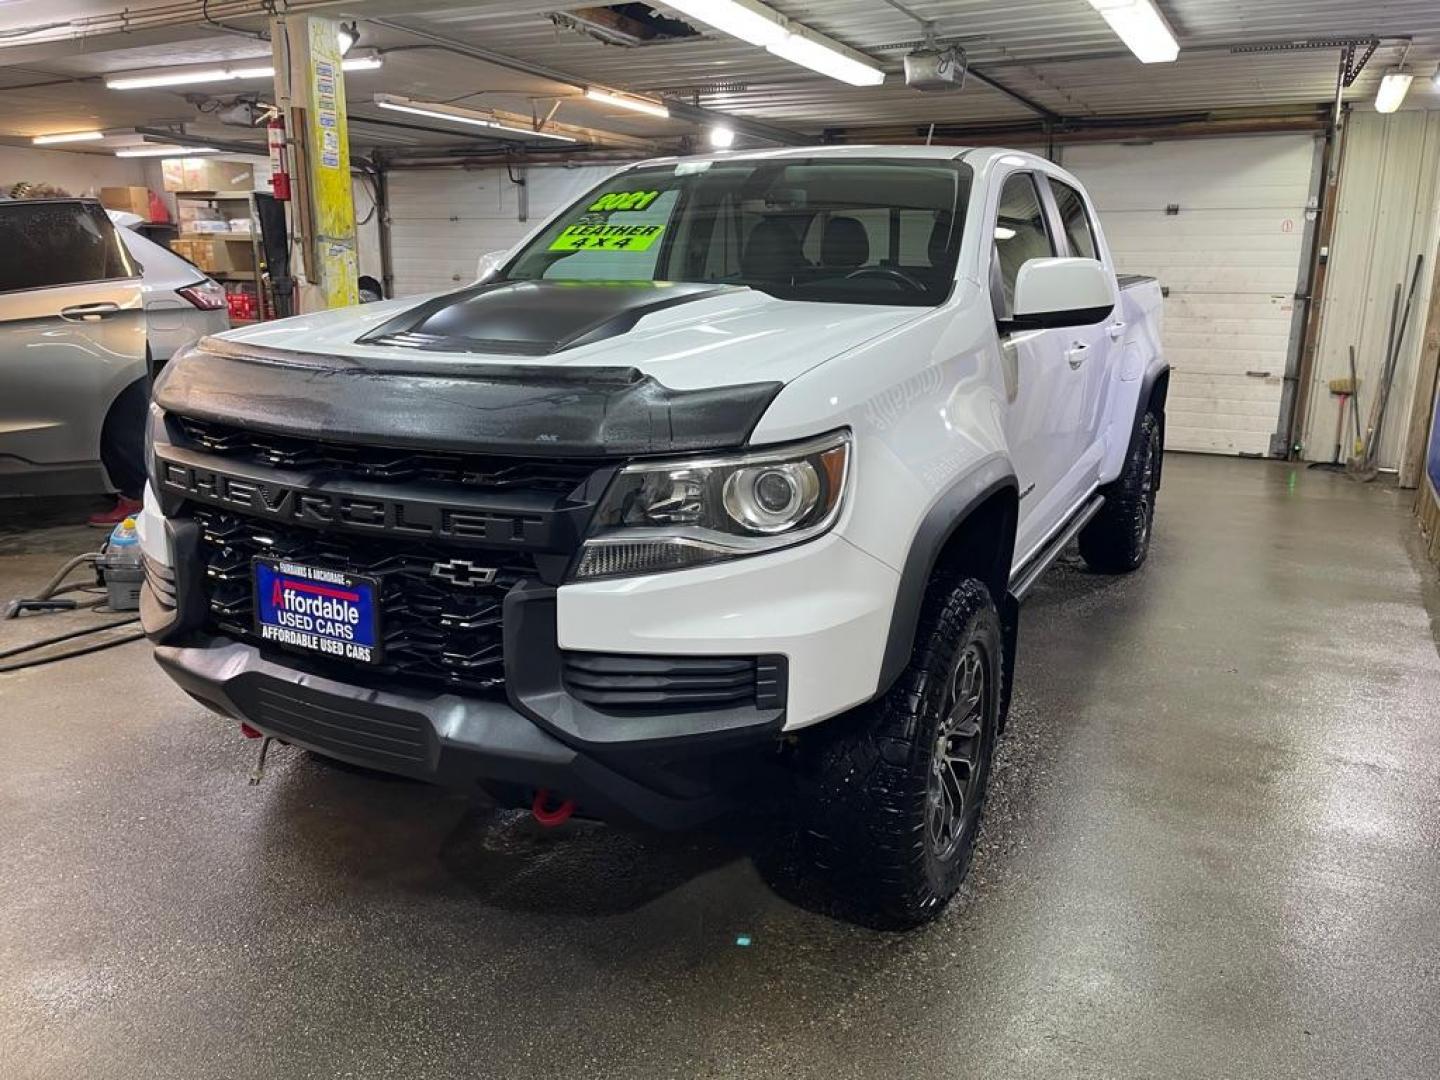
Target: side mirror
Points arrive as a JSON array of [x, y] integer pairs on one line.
[[489, 263], [1061, 292]]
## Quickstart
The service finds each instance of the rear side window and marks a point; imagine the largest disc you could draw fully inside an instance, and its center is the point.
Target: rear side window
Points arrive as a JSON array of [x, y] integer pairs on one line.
[[1021, 234], [1075, 220], [58, 243]]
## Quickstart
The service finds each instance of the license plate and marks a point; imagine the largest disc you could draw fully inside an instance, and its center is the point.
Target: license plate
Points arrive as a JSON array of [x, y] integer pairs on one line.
[[319, 610]]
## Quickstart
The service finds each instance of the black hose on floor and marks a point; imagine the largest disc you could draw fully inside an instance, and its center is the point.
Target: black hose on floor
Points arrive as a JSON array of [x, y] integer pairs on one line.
[[45, 642], [97, 647]]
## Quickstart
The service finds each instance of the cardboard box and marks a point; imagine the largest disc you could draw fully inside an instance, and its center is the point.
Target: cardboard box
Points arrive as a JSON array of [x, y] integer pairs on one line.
[[172, 174], [204, 226], [206, 174], [134, 200], [193, 211], [221, 255]]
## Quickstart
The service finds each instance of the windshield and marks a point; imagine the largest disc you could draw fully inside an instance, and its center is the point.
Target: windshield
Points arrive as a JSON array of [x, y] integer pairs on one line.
[[854, 231]]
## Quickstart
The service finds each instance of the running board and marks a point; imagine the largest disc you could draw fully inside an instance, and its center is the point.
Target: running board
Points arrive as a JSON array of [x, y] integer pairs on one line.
[[1024, 580]]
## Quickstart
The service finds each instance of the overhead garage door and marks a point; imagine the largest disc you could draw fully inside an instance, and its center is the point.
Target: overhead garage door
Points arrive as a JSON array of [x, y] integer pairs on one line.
[[1221, 223], [442, 221]]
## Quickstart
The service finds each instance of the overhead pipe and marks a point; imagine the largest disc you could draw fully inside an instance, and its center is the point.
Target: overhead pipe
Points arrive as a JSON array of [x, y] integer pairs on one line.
[[128, 20], [225, 145]]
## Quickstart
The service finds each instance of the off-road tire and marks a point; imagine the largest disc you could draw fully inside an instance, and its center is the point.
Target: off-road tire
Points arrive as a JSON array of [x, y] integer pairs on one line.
[[1117, 539], [869, 817]]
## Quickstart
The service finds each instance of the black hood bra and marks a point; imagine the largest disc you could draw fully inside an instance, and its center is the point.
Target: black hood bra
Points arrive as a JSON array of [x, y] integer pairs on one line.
[[534, 318], [478, 407]]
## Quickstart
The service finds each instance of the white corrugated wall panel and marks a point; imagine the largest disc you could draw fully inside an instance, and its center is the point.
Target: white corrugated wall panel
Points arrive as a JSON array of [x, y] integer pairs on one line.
[[443, 220], [1386, 215], [1230, 258], [367, 229]]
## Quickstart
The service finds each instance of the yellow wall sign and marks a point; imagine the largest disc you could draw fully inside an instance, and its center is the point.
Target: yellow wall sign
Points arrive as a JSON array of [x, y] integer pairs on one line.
[[606, 237]]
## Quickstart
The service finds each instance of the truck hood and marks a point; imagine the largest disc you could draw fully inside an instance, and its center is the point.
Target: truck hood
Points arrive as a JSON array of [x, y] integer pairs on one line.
[[533, 368], [685, 336]]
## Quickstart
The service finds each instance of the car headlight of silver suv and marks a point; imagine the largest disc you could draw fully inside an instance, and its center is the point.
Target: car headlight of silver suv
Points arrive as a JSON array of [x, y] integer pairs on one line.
[[669, 515]]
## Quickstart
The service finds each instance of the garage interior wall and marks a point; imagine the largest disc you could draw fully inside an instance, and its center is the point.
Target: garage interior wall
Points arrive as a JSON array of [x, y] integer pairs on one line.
[[1221, 222], [1388, 211], [78, 174], [443, 220]]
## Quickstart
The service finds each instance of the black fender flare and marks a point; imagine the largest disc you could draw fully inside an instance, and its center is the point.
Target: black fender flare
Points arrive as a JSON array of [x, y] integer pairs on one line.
[[1148, 382], [946, 516]]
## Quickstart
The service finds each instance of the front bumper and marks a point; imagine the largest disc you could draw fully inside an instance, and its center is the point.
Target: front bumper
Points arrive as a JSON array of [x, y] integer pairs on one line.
[[461, 741], [814, 614]]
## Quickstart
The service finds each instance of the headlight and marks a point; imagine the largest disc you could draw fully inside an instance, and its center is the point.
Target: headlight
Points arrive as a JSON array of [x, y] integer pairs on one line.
[[669, 515]]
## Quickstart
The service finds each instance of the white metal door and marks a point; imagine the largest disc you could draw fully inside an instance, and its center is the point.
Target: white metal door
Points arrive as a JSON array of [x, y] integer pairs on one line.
[[443, 220], [1221, 223]]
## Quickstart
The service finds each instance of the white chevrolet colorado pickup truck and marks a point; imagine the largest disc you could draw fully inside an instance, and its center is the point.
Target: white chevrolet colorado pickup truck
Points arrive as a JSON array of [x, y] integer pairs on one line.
[[727, 481]]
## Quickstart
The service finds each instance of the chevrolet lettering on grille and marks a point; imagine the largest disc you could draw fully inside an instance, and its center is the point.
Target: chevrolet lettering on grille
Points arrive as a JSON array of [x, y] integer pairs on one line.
[[360, 513]]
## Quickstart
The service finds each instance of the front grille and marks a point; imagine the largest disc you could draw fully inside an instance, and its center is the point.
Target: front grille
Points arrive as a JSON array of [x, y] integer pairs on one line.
[[629, 683], [382, 463], [434, 631]]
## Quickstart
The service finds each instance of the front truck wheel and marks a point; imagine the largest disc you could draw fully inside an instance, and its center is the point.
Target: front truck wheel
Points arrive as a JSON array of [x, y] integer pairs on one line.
[[900, 784], [1118, 538]]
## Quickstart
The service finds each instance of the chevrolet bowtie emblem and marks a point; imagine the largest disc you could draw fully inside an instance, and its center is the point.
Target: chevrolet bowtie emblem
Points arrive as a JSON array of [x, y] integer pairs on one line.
[[463, 572]]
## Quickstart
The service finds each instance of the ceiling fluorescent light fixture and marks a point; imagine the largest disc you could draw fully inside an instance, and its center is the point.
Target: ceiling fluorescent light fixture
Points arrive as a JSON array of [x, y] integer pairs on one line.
[[1393, 88], [67, 136], [624, 101], [372, 62], [1141, 27], [190, 76], [531, 133], [804, 49], [165, 151], [760, 25], [752, 22], [456, 115]]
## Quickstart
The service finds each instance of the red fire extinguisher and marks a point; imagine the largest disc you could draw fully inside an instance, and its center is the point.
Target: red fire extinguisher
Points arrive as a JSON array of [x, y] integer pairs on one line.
[[279, 158]]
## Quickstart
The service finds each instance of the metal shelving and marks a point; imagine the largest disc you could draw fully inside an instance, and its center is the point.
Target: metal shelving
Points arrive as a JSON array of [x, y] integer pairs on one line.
[[264, 301]]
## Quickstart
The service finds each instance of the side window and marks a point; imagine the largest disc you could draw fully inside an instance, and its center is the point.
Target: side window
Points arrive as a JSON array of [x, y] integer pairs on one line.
[[916, 230], [718, 250], [1021, 234], [1078, 230], [58, 243]]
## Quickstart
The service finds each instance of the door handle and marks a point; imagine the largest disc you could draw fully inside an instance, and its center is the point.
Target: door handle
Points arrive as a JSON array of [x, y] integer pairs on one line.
[[89, 312], [1115, 329], [1076, 354]]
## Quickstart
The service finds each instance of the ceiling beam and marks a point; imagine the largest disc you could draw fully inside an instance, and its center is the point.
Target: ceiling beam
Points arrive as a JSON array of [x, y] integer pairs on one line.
[[179, 139], [1015, 95]]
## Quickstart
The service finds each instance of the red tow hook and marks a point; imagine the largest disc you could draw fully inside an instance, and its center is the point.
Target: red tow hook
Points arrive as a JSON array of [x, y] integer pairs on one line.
[[551, 818], [249, 732]]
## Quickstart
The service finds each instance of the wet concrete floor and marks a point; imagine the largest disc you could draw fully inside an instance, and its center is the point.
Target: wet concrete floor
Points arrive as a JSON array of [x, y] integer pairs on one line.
[[1213, 851]]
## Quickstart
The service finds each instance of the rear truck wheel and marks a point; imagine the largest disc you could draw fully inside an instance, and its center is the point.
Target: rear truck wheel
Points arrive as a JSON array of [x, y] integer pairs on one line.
[[1118, 538], [900, 784]]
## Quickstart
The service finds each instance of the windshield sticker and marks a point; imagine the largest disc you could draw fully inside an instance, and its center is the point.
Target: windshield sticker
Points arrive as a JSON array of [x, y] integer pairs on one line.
[[624, 200], [606, 237]]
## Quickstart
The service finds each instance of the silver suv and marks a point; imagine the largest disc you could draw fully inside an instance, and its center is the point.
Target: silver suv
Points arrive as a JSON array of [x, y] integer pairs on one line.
[[73, 380]]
